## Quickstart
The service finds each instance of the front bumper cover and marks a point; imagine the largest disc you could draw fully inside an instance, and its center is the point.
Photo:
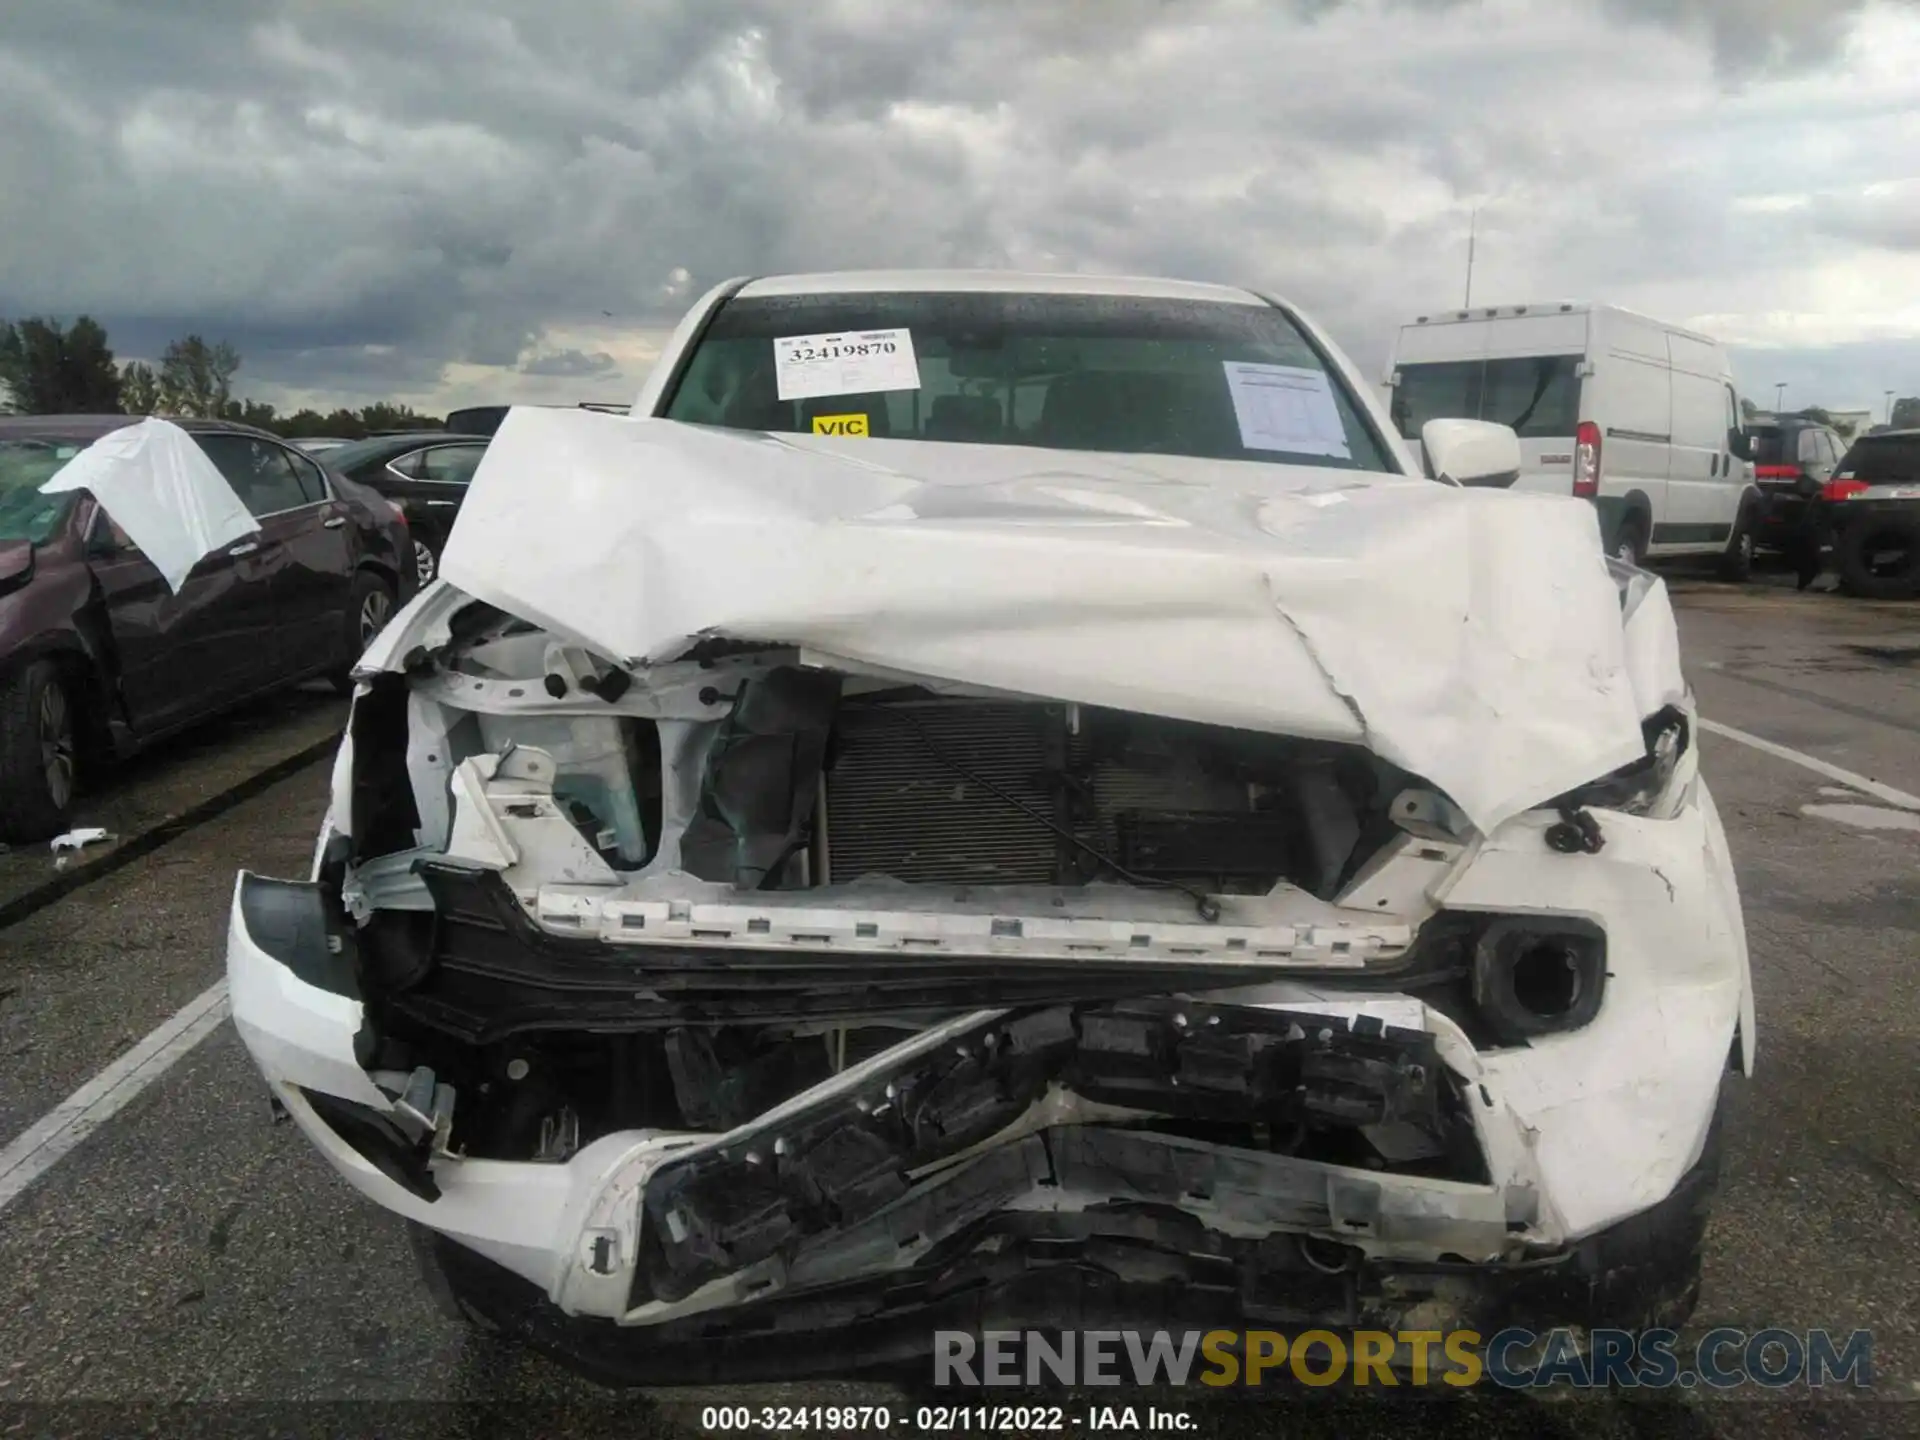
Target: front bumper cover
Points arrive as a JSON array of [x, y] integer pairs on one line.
[[1122, 1268]]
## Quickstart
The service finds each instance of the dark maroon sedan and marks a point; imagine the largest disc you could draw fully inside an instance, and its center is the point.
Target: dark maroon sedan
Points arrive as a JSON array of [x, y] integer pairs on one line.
[[99, 657]]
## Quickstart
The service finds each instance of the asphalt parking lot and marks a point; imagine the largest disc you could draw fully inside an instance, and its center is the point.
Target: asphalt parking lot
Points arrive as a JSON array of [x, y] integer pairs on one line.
[[191, 1253]]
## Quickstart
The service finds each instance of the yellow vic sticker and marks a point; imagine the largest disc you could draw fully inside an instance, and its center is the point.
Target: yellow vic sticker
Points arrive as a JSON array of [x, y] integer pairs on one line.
[[840, 425]]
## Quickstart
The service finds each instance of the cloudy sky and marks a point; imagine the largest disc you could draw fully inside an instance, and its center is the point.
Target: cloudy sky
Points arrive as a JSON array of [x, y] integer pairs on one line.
[[498, 200]]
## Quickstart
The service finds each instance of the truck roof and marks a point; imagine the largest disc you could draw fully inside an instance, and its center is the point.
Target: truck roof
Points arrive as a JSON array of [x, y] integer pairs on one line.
[[1011, 282], [1551, 307]]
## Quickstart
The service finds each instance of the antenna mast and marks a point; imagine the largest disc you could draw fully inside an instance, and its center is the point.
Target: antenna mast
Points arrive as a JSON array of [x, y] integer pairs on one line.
[[1473, 226]]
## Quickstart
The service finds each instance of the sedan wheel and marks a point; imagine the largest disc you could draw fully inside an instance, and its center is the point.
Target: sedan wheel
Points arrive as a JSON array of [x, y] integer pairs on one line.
[[424, 565], [375, 610], [57, 748]]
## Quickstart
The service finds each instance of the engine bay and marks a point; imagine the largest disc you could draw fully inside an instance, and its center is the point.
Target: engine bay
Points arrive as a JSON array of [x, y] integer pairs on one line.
[[596, 799]]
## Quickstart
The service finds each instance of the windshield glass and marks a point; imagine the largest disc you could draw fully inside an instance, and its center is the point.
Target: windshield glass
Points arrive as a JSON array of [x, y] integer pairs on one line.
[[26, 465], [1539, 396], [1884, 460], [1069, 372]]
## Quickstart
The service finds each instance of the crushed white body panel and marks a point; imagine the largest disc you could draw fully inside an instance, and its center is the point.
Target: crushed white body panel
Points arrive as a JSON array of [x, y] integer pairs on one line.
[[1472, 637], [160, 487]]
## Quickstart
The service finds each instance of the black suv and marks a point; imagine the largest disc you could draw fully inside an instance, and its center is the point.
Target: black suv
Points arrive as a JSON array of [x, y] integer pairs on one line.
[[1793, 456], [1872, 511]]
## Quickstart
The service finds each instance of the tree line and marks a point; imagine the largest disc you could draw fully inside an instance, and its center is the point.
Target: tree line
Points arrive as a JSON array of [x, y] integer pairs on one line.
[[48, 368]]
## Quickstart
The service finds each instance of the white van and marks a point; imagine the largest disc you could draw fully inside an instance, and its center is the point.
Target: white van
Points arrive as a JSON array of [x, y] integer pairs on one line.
[[1640, 415]]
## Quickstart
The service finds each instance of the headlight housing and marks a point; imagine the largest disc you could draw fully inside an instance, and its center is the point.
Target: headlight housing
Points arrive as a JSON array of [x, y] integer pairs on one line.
[[1639, 787]]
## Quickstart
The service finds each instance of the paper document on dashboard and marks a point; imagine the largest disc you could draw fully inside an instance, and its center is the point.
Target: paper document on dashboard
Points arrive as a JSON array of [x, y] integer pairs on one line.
[[1286, 407]]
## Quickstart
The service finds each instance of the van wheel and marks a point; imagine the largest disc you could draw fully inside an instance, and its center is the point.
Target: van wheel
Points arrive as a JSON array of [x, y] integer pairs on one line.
[[1736, 564], [1630, 545], [1879, 557], [39, 753]]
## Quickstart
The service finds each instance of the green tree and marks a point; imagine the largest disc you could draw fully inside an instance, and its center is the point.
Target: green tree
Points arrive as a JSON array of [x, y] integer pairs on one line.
[[1748, 409], [304, 422], [139, 388], [383, 416], [1906, 414], [197, 378], [251, 412], [52, 370]]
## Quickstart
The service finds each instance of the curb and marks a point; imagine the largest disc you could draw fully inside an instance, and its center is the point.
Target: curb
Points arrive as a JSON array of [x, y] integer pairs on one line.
[[83, 872]]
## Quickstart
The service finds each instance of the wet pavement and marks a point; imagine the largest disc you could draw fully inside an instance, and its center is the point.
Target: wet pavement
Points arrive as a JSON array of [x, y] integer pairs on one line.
[[193, 1260], [176, 786]]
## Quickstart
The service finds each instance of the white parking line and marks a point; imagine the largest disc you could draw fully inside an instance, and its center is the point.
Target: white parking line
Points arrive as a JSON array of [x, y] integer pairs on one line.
[[89, 1107], [1819, 767]]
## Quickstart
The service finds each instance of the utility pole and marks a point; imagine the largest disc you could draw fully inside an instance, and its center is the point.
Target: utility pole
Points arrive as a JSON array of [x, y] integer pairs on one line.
[[1473, 225], [1779, 396], [1889, 407]]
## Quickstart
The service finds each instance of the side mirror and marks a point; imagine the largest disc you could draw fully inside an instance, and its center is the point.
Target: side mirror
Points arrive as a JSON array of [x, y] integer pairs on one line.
[[1471, 452], [1739, 444]]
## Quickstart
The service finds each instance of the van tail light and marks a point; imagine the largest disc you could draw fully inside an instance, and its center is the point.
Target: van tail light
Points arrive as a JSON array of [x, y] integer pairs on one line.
[[1841, 489], [1586, 460]]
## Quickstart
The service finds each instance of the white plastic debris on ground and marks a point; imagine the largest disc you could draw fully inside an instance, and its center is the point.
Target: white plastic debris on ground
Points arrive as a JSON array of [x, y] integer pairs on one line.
[[160, 487], [65, 846], [1473, 637]]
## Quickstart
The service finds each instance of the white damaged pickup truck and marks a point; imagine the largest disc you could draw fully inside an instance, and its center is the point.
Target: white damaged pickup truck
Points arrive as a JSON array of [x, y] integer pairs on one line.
[[1010, 802]]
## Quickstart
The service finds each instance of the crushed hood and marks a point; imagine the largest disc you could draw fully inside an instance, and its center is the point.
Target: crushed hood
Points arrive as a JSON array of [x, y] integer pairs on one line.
[[1472, 637]]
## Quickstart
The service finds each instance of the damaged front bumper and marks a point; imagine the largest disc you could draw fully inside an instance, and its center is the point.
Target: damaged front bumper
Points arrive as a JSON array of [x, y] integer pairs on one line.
[[1072, 1154], [1140, 1266]]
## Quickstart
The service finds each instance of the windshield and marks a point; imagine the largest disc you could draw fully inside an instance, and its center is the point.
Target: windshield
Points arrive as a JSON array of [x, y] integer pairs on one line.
[[26, 465], [1069, 372], [1539, 396], [1884, 460]]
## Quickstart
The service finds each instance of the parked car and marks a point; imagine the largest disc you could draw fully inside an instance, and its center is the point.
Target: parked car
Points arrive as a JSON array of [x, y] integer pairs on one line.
[[1081, 820], [1871, 511], [485, 419], [1606, 403], [100, 657], [425, 473], [1793, 457]]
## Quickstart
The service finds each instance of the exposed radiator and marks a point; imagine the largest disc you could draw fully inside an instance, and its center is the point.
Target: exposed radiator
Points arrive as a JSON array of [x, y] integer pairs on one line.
[[895, 808]]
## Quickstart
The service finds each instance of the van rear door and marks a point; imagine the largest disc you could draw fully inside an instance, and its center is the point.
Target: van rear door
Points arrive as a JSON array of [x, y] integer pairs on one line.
[[1517, 370]]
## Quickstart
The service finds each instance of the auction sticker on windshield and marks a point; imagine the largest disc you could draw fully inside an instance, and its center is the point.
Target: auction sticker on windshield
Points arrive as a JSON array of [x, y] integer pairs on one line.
[[863, 362]]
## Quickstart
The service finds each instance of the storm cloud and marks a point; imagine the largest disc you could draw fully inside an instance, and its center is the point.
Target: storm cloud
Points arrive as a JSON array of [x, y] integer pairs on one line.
[[515, 200]]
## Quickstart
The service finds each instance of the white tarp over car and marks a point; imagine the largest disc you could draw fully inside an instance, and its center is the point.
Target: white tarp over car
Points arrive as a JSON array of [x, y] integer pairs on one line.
[[1472, 637], [160, 487]]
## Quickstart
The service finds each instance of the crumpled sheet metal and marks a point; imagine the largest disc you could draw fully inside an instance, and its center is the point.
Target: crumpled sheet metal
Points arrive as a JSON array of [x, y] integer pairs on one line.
[[1473, 637], [160, 487]]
